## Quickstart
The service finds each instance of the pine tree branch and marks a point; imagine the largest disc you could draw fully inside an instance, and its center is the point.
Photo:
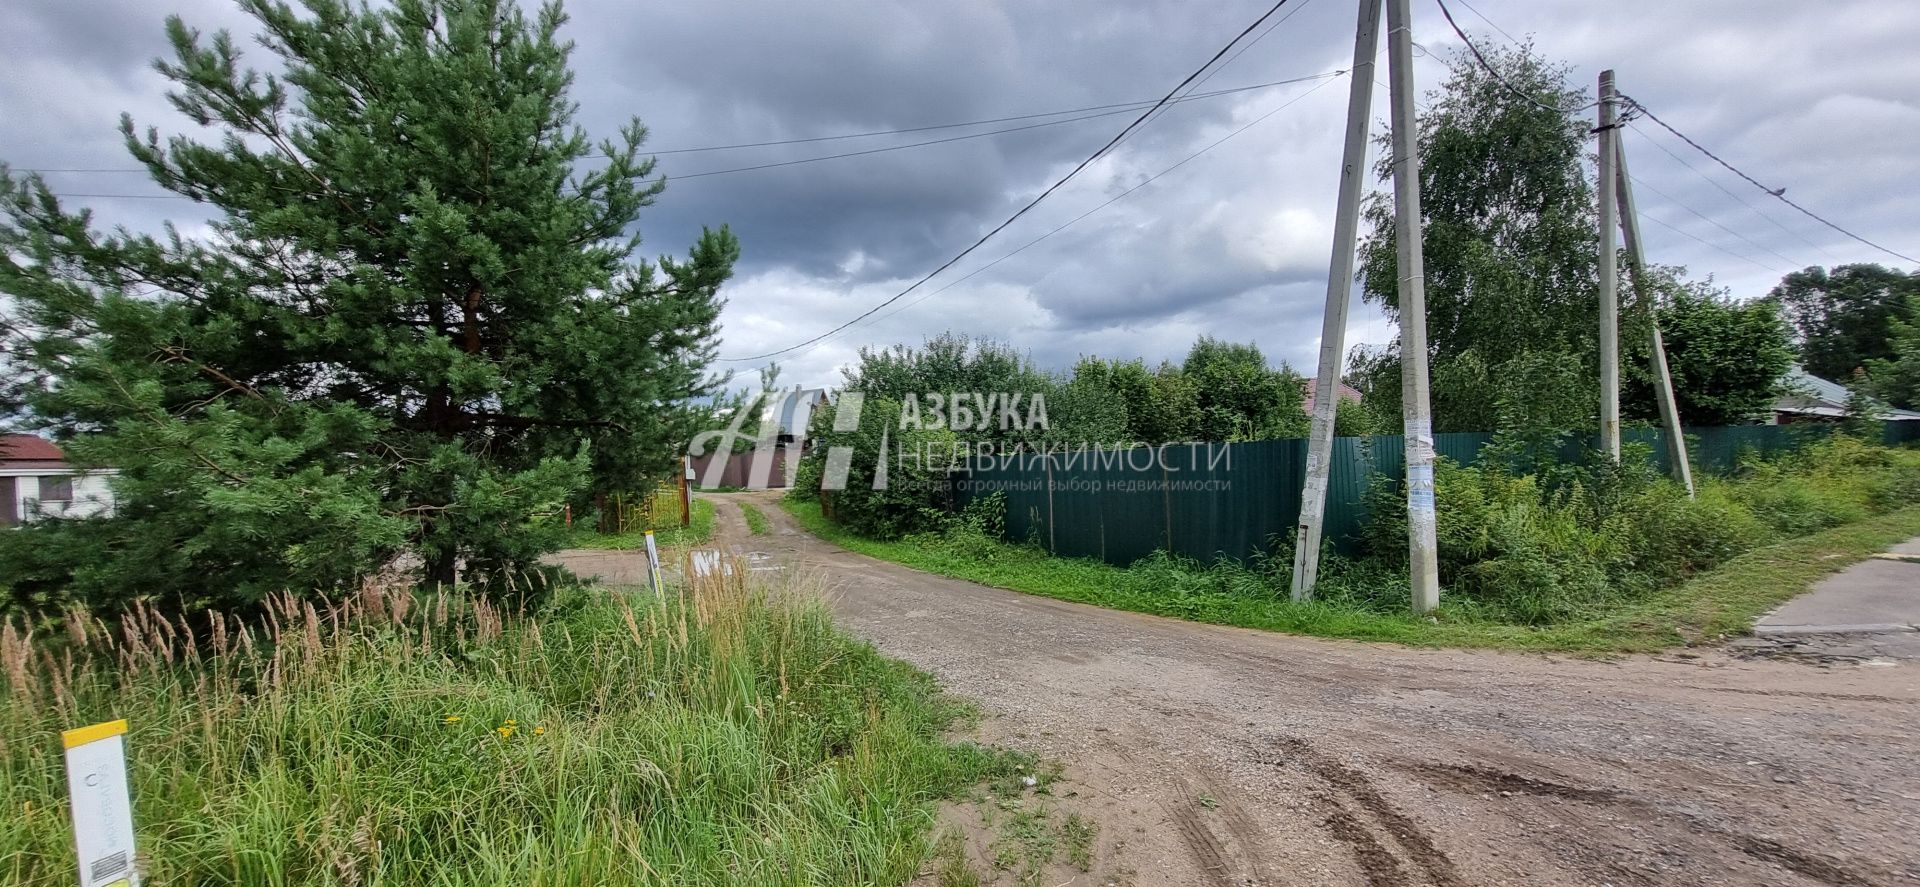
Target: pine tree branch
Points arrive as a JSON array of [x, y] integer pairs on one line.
[[505, 421]]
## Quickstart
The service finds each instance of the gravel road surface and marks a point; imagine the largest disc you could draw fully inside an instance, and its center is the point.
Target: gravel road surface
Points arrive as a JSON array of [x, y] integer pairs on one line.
[[1222, 756]]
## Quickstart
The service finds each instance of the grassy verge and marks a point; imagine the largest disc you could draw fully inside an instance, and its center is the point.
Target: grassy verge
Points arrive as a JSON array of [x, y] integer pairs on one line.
[[723, 737], [698, 532], [1721, 602], [757, 523]]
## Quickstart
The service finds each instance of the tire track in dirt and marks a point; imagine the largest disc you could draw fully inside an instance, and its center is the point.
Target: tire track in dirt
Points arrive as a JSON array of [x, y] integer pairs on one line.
[[1208, 851], [1353, 785], [1475, 779], [1472, 777], [1807, 694], [1377, 864]]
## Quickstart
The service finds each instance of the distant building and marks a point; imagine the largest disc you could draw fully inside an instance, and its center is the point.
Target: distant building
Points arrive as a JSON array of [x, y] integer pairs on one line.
[[1810, 398], [1348, 393], [35, 480], [794, 414], [784, 419]]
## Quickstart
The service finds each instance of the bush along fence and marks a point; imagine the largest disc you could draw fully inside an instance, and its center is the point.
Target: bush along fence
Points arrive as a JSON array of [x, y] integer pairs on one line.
[[1213, 501]]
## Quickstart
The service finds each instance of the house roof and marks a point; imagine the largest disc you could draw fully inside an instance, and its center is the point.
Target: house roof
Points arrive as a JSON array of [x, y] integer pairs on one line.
[[29, 451], [1813, 396], [1348, 393]]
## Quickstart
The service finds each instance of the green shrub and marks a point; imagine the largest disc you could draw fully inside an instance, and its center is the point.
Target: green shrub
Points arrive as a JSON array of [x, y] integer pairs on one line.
[[975, 531], [915, 459], [1830, 482], [1579, 538], [1672, 537]]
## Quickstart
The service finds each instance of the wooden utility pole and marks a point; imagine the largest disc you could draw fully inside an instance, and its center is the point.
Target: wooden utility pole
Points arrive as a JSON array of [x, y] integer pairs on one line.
[[1333, 325], [1416, 410], [1609, 274], [1637, 266]]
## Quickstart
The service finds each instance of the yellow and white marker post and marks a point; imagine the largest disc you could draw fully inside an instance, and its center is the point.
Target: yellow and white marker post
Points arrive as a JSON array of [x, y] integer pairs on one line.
[[102, 809], [653, 563]]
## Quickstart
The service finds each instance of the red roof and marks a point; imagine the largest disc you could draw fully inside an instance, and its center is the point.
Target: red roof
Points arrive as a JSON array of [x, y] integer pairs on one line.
[[29, 451], [1347, 393]]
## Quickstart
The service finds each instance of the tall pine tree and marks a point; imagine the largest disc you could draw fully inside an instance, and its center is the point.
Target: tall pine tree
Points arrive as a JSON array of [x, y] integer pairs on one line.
[[418, 323]]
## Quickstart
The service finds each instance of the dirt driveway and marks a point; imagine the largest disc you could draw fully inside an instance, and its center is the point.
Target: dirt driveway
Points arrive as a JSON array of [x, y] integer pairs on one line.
[[1222, 756]]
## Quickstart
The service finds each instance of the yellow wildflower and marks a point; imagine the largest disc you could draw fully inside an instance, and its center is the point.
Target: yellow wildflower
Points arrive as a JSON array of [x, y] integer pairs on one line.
[[505, 730], [451, 719], [539, 731]]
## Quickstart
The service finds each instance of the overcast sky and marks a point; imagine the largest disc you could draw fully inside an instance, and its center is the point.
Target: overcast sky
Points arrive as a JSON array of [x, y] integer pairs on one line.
[[1821, 98]]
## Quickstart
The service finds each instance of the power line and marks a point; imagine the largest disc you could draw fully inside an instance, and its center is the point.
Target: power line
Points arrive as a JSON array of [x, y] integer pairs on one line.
[[758, 166], [1237, 54], [1035, 201], [1495, 73], [780, 163], [1491, 23], [1108, 202], [1777, 193], [1664, 224], [880, 150], [1122, 106], [1707, 243], [1730, 193], [1709, 220]]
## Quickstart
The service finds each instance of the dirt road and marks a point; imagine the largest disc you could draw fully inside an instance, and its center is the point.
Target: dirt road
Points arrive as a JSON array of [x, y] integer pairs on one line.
[[1221, 756]]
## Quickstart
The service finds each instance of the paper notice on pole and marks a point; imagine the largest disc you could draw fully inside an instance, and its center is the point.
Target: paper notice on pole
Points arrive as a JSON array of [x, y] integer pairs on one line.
[[102, 809], [653, 563]]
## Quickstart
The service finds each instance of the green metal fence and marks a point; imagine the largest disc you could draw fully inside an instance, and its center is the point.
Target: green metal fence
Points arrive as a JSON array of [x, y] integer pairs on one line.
[[1209, 501]]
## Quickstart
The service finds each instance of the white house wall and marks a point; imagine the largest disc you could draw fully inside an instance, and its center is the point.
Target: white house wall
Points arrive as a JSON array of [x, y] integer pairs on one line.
[[92, 494]]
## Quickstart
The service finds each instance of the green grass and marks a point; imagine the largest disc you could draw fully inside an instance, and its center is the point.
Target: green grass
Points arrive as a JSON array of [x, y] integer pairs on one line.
[[722, 737], [698, 532], [1717, 603], [757, 523]]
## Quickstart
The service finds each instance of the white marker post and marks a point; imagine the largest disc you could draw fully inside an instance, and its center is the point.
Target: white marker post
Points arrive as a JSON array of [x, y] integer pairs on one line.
[[653, 563], [102, 809]]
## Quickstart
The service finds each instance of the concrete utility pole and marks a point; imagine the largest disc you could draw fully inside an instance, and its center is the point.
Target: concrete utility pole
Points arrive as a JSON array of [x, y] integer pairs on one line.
[[1609, 275], [1416, 411], [1637, 266], [1333, 326]]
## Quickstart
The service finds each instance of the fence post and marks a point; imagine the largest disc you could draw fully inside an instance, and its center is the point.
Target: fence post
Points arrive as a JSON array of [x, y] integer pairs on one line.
[[1166, 497], [686, 491], [1046, 461]]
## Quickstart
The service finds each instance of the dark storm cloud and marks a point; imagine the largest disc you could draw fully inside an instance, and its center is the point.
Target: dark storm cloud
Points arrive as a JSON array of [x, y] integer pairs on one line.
[[1815, 97]]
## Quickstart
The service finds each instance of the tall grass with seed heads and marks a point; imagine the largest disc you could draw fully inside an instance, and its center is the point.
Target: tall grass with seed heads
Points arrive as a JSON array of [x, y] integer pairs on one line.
[[724, 734]]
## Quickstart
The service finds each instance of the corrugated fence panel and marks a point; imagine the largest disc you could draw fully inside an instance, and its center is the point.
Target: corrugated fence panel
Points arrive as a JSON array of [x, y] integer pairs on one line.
[[1077, 527], [1719, 450], [1232, 500], [1133, 505], [1460, 446], [1356, 462], [1258, 496], [1192, 513]]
